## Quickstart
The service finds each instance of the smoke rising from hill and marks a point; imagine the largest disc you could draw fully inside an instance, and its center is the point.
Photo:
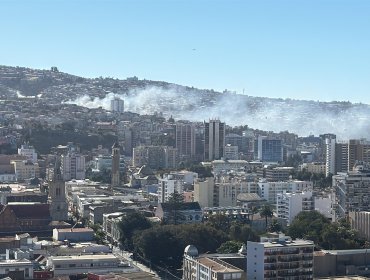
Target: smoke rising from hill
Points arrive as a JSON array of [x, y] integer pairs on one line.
[[300, 117]]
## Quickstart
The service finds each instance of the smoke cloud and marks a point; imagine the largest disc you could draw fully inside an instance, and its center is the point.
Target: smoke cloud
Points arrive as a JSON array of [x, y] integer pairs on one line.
[[300, 117]]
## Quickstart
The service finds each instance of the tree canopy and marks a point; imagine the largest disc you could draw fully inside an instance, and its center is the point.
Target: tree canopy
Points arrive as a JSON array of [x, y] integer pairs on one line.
[[131, 223]]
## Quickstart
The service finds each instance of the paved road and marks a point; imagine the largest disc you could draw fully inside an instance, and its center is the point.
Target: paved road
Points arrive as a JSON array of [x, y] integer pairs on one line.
[[125, 256]]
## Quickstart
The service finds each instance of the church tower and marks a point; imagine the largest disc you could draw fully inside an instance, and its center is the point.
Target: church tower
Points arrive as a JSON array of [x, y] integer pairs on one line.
[[57, 197], [116, 155]]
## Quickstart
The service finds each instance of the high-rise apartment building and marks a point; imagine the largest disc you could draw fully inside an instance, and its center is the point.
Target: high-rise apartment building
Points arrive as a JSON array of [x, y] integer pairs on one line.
[[352, 190], [214, 140], [185, 140], [156, 157], [117, 105], [72, 166], [280, 257], [330, 156], [167, 186], [342, 156], [289, 205]]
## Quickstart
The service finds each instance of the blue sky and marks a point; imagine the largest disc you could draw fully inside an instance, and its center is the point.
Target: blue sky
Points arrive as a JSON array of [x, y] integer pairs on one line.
[[313, 49]]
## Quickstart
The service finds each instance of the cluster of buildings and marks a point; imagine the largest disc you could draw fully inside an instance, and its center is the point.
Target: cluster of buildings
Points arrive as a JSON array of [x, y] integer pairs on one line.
[[47, 193]]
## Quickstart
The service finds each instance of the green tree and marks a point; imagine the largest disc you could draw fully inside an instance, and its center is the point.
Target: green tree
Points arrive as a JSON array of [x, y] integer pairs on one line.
[[219, 221], [175, 205], [166, 244], [230, 247], [253, 210], [99, 234], [129, 224], [266, 212], [159, 244], [242, 233], [308, 225], [275, 226]]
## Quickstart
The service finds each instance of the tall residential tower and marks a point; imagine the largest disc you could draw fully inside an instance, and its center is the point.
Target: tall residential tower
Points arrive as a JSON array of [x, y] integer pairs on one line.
[[214, 140]]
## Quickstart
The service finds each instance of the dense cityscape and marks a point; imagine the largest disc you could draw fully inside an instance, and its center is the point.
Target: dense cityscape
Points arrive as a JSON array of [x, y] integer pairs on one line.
[[97, 192]]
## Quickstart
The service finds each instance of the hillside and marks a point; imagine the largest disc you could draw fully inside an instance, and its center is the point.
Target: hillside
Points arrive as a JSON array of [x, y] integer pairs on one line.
[[148, 97]]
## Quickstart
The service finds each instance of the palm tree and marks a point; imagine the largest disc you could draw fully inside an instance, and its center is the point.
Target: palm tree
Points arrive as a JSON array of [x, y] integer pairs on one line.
[[266, 212]]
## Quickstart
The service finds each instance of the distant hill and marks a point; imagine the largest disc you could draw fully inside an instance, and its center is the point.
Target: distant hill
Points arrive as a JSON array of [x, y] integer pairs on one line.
[[345, 119]]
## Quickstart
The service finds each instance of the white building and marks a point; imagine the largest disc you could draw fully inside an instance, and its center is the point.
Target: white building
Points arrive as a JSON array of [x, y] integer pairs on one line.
[[167, 186], [72, 265], [323, 204], [29, 152], [117, 105], [280, 257], [111, 226], [72, 166], [185, 176], [289, 205], [330, 156], [270, 190]]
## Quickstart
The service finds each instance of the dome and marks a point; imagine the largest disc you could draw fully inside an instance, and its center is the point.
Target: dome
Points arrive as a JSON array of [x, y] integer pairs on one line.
[[191, 250]]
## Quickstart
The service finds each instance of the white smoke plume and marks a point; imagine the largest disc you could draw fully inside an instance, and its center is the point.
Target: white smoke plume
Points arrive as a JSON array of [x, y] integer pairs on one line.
[[300, 117]]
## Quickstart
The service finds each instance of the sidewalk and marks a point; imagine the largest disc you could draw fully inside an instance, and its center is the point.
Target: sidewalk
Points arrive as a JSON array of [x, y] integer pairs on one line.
[[126, 257]]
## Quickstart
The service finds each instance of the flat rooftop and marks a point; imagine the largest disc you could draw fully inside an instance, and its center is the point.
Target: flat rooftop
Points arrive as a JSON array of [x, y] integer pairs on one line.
[[217, 266]]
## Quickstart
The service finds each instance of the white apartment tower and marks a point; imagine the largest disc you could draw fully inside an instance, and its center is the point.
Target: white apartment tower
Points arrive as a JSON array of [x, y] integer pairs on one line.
[[72, 166], [330, 156], [117, 105], [280, 257], [167, 186], [289, 205]]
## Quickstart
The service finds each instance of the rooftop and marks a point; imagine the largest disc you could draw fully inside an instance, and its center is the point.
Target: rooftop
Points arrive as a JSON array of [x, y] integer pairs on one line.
[[217, 265]]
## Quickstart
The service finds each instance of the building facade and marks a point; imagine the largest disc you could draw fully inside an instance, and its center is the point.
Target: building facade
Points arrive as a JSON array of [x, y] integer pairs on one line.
[[269, 149], [185, 140], [280, 257], [214, 140], [117, 105]]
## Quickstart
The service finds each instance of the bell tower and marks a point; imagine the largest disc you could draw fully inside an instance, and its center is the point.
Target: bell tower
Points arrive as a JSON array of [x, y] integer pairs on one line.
[[116, 155]]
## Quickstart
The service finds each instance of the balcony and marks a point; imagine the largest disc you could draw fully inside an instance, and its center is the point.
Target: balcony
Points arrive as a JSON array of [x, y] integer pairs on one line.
[[289, 259], [290, 252], [283, 266], [288, 273], [270, 275], [308, 257], [270, 260]]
